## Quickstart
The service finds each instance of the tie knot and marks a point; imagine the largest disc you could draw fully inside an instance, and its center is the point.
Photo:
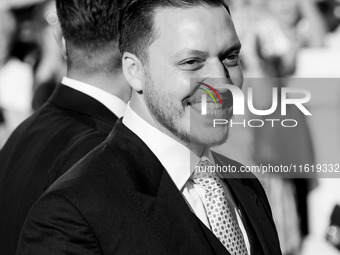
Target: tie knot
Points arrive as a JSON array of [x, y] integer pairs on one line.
[[205, 163], [205, 176], [204, 170]]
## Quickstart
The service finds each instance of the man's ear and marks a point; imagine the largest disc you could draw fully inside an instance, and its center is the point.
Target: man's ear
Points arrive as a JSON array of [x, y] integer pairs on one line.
[[133, 70], [58, 36]]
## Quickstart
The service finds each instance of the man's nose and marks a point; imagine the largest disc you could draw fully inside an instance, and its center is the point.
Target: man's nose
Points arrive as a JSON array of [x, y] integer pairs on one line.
[[218, 76]]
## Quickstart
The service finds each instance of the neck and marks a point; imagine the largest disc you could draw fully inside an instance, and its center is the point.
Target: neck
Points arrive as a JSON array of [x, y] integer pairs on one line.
[[113, 83], [198, 150]]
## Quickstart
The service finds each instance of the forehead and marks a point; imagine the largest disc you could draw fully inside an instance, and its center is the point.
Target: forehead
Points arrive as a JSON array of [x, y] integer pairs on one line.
[[200, 28]]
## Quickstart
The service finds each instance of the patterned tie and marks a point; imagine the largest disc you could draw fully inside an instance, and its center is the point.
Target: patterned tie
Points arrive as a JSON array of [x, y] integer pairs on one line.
[[221, 220]]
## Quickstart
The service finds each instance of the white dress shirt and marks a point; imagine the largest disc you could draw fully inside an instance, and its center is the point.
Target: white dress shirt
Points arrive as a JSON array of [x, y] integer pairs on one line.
[[116, 105], [180, 163]]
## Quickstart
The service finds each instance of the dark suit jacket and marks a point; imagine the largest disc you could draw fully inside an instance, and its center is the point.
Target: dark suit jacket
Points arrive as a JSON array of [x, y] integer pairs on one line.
[[119, 199], [41, 149]]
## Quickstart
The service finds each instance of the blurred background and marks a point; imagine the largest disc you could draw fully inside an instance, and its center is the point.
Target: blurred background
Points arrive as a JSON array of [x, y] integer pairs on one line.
[[285, 43], [31, 63]]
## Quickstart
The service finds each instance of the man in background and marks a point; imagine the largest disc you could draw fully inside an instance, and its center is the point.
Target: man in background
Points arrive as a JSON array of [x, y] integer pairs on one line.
[[78, 116], [143, 190]]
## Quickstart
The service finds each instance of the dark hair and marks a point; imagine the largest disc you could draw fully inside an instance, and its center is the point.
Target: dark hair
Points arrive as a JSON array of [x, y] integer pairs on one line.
[[90, 27], [136, 23]]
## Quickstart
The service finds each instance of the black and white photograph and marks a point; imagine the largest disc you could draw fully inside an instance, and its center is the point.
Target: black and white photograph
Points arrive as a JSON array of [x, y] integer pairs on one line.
[[194, 127]]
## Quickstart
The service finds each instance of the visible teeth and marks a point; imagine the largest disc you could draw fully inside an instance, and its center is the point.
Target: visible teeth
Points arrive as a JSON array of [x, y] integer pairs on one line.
[[212, 108]]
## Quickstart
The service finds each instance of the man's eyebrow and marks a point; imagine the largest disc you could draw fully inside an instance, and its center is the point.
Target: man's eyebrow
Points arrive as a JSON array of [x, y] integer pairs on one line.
[[191, 52], [235, 47]]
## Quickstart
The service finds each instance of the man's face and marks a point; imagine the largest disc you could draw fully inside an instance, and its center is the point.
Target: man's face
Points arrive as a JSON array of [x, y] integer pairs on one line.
[[194, 44]]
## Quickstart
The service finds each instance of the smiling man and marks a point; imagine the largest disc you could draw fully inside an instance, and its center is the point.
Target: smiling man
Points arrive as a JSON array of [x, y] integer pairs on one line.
[[185, 44], [142, 191]]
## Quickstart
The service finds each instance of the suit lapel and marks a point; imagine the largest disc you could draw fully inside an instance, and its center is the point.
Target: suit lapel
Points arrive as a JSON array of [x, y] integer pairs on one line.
[[172, 219], [158, 199], [250, 207], [216, 245], [255, 211]]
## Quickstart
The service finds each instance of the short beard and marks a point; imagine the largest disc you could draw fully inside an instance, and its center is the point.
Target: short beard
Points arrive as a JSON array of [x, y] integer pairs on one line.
[[208, 139], [168, 115], [164, 111]]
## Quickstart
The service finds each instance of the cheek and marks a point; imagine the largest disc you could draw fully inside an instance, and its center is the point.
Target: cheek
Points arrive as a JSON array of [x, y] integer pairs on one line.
[[169, 81], [176, 84]]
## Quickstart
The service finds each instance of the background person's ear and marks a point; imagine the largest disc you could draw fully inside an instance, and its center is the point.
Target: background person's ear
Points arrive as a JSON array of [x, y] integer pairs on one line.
[[133, 70], [58, 36]]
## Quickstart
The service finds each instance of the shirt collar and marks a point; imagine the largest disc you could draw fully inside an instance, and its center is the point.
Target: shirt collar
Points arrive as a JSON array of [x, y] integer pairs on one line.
[[177, 159], [113, 103]]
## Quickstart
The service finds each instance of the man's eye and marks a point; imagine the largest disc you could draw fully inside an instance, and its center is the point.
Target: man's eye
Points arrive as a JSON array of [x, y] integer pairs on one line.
[[233, 57], [192, 64], [232, 60]]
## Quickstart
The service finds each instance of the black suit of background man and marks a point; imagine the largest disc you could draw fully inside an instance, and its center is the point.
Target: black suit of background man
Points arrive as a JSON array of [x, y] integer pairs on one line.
[[41, 149], [71, 123]]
